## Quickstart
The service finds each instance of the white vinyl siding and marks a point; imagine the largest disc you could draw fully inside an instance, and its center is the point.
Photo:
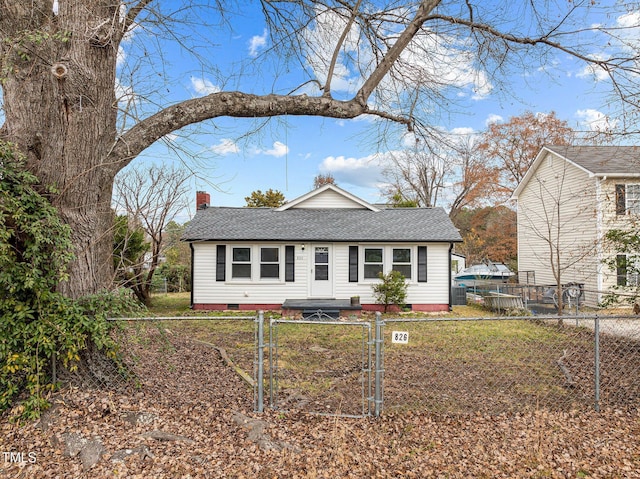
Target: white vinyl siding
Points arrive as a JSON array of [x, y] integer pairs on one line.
[[434, 291], [209, 291], [328, 199], [558, 206]]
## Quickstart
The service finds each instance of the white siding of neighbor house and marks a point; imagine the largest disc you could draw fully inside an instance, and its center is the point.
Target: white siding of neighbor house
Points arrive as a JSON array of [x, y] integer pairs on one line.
[[611, 220], [559, 185], [206, 290], [328, 199]]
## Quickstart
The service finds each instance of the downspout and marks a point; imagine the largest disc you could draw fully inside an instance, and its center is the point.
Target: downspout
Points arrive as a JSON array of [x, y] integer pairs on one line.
[[449, 275], [599, 237], [192, 278]]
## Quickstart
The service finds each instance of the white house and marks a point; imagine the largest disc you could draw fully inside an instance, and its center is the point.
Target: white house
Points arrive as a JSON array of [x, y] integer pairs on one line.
[[318, 250], [567, 201]]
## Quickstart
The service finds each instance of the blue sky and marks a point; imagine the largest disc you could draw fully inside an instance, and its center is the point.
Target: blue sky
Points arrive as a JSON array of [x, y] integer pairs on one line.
[[289, 152]]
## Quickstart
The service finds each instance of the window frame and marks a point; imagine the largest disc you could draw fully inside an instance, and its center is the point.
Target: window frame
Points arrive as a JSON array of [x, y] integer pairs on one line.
[[366, 263], [262, 263], [402, 263], [235, 262], [632, 205], [625, 276], [256, 263]]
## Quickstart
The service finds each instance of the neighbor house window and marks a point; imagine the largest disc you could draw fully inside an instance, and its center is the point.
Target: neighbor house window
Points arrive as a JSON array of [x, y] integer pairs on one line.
[[626, 271], [627, 199], [633, 199], [402, 261], [241, 263], [373, 260], [270, 263]]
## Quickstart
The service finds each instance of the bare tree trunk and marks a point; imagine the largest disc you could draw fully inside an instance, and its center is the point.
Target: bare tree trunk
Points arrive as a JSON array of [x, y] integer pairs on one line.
[[60, 111]]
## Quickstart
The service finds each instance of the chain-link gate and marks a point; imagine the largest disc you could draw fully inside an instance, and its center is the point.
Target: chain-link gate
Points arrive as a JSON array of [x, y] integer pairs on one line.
[[320, 366]]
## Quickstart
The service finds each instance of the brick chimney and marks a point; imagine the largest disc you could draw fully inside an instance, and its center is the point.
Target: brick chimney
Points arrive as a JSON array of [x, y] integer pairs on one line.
[[203, 200]]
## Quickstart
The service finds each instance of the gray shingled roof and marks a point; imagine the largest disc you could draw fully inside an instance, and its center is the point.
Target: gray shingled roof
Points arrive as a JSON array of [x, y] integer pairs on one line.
[[266, 224], [602, 160]]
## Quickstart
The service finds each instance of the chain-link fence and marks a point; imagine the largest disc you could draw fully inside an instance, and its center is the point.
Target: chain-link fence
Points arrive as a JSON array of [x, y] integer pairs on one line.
[[467, 365], [496, 365], [173, 348], [355, 368]]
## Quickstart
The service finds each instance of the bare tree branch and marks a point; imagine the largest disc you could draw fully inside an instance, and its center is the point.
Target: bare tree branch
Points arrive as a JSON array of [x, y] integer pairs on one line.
[[394, 52], [336, 51], [232, 104]]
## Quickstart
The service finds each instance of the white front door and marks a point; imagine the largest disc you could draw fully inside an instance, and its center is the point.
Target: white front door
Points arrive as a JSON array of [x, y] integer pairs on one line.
[[321, 272]]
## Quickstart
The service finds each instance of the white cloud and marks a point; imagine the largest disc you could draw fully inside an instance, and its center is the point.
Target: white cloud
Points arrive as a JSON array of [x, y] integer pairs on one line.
[[226, 146], [493, 118], [125, 96], [462, 131], [432, 60], [594, 71], [321, 41], [203, 86], [443, 61], [121, 56], [279, 149], [631, 23], [365, 171], [624, 36], [126, 39], [595, 120], [256, 43]]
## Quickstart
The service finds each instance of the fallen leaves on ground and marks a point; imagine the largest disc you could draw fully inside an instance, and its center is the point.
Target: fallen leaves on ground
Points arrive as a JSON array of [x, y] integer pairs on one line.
[[182, 422]]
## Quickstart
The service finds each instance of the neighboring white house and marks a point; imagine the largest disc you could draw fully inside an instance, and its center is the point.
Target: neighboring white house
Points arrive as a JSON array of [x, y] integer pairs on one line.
[[567, 201], [325, 245]]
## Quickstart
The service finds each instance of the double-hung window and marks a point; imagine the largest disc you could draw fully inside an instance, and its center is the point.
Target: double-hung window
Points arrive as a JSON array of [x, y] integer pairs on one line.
[[627, 270], [241, 263], [373, 262], [633, 199], [269, 263], [402, 261], [628, 199]]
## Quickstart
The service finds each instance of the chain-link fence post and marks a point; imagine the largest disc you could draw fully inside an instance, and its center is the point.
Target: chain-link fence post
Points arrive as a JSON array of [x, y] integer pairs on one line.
[[271, 370], [260, 378], [596, 361], [379, 374]]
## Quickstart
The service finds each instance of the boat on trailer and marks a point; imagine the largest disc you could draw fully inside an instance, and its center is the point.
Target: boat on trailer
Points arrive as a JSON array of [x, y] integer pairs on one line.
[[487, 272]]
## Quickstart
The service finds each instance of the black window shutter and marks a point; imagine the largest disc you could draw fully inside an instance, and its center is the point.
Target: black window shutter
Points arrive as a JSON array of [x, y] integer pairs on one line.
[[221, 258], [289, 263], [422, 264], [621, 202], [621, 269], [353, 264]]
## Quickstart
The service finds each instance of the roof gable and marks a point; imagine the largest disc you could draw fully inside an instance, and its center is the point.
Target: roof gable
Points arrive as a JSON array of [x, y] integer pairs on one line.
[[596, 161], [327, 197]]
